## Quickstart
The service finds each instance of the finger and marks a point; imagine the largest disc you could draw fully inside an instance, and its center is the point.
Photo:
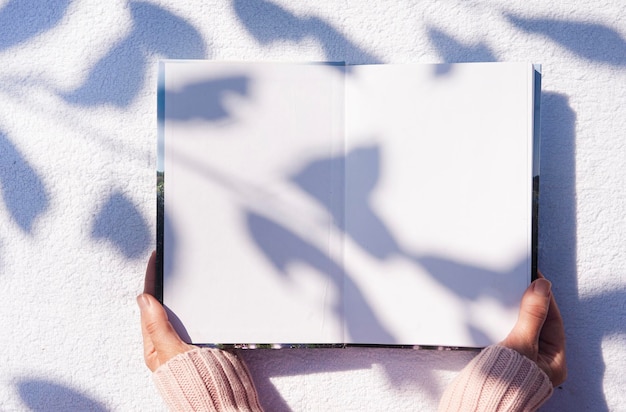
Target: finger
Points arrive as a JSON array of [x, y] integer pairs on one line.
[[553, 332], [533, 312], [534, 309], [553, 318], [552, 345], [149, 352], [148, 346], [149, 283], [161, 342]]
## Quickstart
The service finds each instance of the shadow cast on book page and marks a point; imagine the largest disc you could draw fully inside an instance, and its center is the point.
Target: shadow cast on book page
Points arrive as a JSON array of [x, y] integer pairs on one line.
[[325, 209]]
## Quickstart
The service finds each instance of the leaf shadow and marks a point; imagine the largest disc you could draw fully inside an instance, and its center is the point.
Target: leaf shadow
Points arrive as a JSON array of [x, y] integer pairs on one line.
[[43, 395], [362, 169], [590, 41], [359, 221], [117, 78], [205, 100], [120, 223], [282, 247], [21, 20], [453, 51], [268, 23], [22, 189]]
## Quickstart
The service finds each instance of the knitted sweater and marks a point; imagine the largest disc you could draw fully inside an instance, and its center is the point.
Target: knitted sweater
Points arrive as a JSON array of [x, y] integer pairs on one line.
[[206, 380], [498, 379]]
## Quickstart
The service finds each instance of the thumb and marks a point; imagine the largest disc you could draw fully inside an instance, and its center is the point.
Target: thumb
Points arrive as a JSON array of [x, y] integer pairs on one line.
[[161, 342], [524, 337]]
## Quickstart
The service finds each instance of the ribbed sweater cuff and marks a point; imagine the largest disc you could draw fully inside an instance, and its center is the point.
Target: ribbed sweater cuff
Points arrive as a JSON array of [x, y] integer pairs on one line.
[[205, 379], [498, 379]]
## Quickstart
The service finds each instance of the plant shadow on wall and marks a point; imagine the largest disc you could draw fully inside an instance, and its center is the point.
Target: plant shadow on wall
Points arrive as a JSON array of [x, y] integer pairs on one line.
[[590, 41], [120, 222], [42, 395], [22, 189], [21, 20], [270, 23], [591, 319], [117, 77], [451, 50]]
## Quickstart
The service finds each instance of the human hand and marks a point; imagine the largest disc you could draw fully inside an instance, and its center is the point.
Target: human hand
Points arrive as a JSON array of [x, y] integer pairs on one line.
[[539, 334], [160, 340]]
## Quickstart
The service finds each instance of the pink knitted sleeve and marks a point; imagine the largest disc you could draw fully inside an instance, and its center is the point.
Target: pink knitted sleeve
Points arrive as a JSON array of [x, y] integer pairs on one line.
[[205, 379], [498, 379]]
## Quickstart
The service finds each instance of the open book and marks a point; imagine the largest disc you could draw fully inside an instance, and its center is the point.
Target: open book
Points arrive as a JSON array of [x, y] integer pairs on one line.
[[323, 203]]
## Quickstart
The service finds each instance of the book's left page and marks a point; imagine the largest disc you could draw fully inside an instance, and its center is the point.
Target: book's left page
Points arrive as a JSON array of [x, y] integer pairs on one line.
[[248, 254]]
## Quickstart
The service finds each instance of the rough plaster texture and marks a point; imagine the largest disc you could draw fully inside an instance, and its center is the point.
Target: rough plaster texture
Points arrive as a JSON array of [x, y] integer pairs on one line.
[[78, 155]]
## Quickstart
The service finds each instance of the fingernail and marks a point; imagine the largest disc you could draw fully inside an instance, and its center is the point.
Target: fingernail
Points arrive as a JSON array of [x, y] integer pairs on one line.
[[542, 287], [143, 301]]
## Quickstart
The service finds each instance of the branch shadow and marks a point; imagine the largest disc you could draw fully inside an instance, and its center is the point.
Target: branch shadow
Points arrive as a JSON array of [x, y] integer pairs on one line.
[[447, 272], [22, 189], [120, 223], [21, 20], [557, 248], [42, 395], [485, 283], [268, 23], [366, 229], [452, 51], [589, 41], [117, 77], [283, 247], [205, 100]]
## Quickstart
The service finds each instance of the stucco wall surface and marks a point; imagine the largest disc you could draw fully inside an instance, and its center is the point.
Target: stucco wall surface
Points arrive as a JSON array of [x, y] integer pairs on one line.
[[77, 177]]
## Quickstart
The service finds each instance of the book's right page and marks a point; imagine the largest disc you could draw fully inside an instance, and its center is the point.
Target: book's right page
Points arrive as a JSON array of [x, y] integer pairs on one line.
[[438, 202]]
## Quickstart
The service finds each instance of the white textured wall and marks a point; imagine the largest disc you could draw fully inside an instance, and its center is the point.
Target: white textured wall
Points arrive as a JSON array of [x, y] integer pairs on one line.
[[78, 154]]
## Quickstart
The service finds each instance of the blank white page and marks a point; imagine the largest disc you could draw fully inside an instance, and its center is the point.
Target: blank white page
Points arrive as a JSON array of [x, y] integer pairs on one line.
[[384, 204], [438, 202], [249, 256]]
